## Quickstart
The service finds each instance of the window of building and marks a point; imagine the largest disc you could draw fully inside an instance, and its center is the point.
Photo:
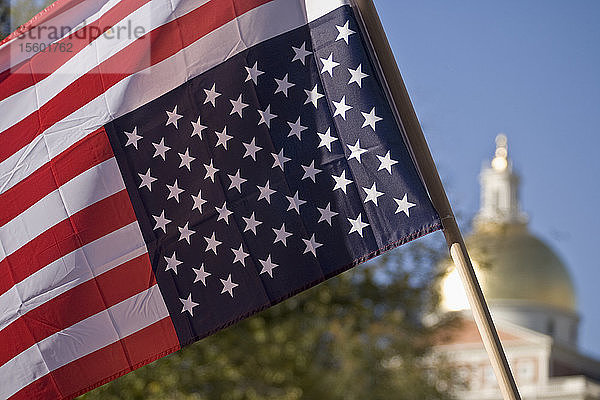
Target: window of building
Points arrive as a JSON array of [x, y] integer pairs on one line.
[[488, 376], [525, 371]]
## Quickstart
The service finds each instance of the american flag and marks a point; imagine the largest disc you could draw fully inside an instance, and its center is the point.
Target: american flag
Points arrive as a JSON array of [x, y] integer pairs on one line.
[[154, 190]]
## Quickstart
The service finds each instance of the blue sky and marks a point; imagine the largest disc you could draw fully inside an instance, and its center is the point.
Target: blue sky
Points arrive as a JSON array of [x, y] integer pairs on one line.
[[528, 69]]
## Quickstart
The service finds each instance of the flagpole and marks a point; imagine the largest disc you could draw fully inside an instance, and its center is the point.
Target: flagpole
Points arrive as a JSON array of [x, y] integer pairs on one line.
[[428, 171]]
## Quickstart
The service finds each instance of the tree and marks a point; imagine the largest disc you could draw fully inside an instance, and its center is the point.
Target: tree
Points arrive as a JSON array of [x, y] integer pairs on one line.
[[360, 335]]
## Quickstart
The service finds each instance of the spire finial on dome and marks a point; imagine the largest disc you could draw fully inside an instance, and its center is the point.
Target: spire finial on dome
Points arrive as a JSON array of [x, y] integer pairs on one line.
[[500, 161], [500, 190]]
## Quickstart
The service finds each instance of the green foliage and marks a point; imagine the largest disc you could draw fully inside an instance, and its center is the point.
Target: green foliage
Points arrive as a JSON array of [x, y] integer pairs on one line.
[[357, 336]]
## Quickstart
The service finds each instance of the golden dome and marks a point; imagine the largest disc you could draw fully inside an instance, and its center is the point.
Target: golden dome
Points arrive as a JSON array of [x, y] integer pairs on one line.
[[512, 265]]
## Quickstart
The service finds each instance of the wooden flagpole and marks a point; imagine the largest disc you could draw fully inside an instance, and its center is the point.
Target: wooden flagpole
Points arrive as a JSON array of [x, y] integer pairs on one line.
[[426, 165]]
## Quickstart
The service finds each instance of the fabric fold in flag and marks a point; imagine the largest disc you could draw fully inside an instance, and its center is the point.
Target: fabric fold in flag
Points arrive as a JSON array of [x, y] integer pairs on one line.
[[248, 156]]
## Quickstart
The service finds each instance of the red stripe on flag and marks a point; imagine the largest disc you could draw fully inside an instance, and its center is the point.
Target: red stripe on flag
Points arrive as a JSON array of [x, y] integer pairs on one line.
[[89, 224], [86, 153], [106, 364], [165, 41], [40, 66], [77, 304]]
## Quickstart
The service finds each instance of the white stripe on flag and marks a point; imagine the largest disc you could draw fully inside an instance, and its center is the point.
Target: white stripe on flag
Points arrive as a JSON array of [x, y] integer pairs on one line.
[[80, 192], [256, 26], [75, 268], [85, 337]]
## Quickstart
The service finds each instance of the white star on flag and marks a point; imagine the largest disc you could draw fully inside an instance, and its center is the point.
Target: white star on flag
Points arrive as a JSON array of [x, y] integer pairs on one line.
[[228, 285], [201, 275], [147, 180], [253, 73], [328, 65], [356, 75], [224, 213], [161, 149], [172, 263], [370, 119], [341, 182], [210, 171], [174, 191], [211, 95], [313, 96], [240, 255], [281, 235], [356, 151], [188, 305], [198, 128], [251, 149], [372, 194], [283, 85], [311, 245], [198, 202], [296, 129], [404, 205], [300, 53], [251, 223], [265, 192], [268, 266], [212, 243], [222, 138], [326, 214], [238, 106], [310, 171], [280, 159], [341, 107], [161, 221], [132, 138], [266, 116], [185, 233], [386, 162], [295, 203], [326, 139], [236, 181], [173, 117], [186, 159], [344, 32], [357, 225]]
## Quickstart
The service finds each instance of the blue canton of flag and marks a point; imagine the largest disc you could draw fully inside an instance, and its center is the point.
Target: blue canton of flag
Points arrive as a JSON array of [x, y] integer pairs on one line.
[[269, 173]]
